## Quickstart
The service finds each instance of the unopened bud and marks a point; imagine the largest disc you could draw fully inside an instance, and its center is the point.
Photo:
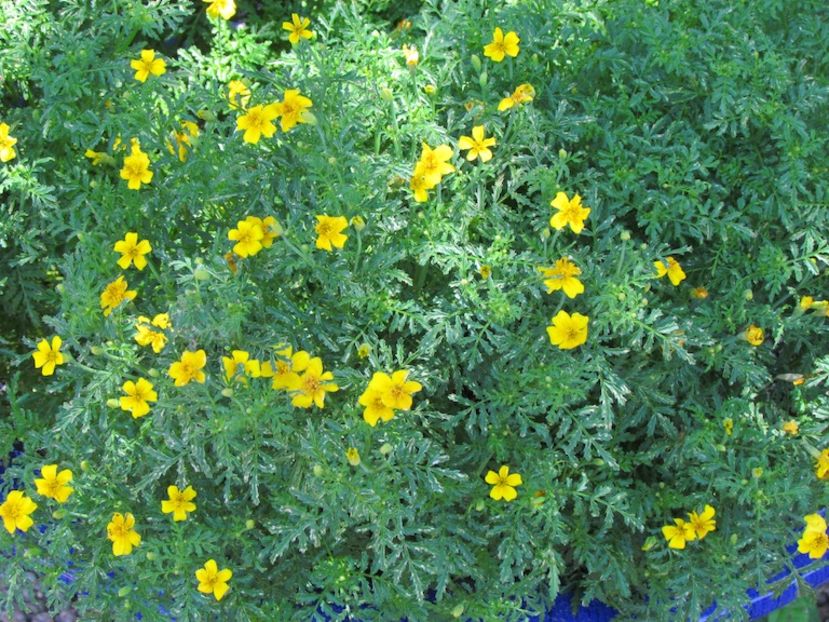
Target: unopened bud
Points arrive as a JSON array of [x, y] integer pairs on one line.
[[112, 403]]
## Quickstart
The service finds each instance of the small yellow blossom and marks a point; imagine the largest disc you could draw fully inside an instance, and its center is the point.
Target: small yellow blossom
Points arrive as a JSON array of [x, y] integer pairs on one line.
[[258, 122], [132, 251], [121, 531], [189, 368], [7, 144], [48, 357], [212, 580], [15, 511], [411, 55], [433, 163], [568, 331], [570, 212], [806, 302], [791, 427], [311, 387], [485, 271], [679, 533], [728, 425], [146, 336], [363, 350], [240, 366], [698, 292], [114, 294], [375, 409], [814, 540], [293, 109], [238, 94], [136, 170], [672, 268], [397, 389], [53, 484], [419, 185], [477, 144], [329, 232], [703, 523], [148, 64], [502, 45], [179, 502], [184, 139], [98, 157], [270, 229], [754, 335], [221, 8], [503, 483], [563, 276], [523, 94], [298, 28], [137, 397], [248, 236], [822, 465], [287, 367], [353, 456]]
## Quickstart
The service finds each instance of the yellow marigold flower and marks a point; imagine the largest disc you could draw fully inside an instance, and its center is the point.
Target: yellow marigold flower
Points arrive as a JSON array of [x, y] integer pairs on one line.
[[288, 365], [48, 357], [563, 276], [566, 331], [485, 271], [375, 408], [570, 212], [221, 8], [822, 465], [179, 503], [136, 398], [814, 541], [411, 55], [311, 387], [728, 425], [754, 335], [396, 389], [791, 427], [502, 45], [7, 144], [257, 122], [523, 94], [293, 109], [363, 350], [190, 130], [806, 302], [212, 580], [434, 163], [503, 483], [162, 320], [239, 365], [358, 223], [53, 484], [353, 456], [430, 89], [148, 64], [703, 523], [145, 336], [329, 232], [99, 157], [670, 267], [15, 511], [270, 229], [132, 251], [238, 94], [478, 145], [679, 533], [698, 292], [121, 531], [420, 185], [189, 368], [248, 236], [298, 28], [114, 294], [136, 168]]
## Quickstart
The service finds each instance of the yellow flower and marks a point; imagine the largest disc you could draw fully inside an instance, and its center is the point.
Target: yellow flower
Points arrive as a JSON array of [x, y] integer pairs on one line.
[[298, 28], [680, 533], [293, 109], [146, 336], [358, 223], [434, 163], [329, 232], [257, 122], [754, 335], [15, 511], [240, 366], [363, 350], [503, 483], [570, 212], [121, 532], [179, 503], [312, 385], [183, 139], [822, 465], [420, 185], [212, 580], [411, 55], [806, 302], [672, 268], [132, 251], [288, 365], [136, 168], [523, 94], [375, 407], [189, 368], [48, 357], [238, 94], [485, 271], [53, 484], [353, 456], [477, 144], [248, 236], [137, 394], [396, 389], [562, 276], [148, 64], [221, 8], [114, 294], [814, 541], [568, 332], [7, 144], [728, 426], [162, 320], [98, 157], [502, 45], [791, 427], [270, 229], [698, 292], [703, 523]]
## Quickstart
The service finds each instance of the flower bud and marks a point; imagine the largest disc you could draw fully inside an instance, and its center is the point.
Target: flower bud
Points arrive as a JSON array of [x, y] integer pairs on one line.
[[96, 350], [562, 153], [748, 294], [58, 514], [480, 505], [358, 223], [151, 555], [250, 524], [386, 94], [386, 449], [205, 115], [227, 392], [476, 62], [59, 288], [624, 235], [201, 274], [152, 372], [317, 469], [483, 78], [124, 591], [430, 89], [84, 465], [112, 403], [457, 610], [650, 542]]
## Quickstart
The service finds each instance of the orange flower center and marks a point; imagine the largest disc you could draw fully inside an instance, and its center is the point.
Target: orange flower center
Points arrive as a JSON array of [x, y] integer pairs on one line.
[[311, 384]]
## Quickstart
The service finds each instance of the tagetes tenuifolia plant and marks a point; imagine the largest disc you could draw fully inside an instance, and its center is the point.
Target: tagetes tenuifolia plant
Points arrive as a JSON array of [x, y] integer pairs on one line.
[[419, 311]]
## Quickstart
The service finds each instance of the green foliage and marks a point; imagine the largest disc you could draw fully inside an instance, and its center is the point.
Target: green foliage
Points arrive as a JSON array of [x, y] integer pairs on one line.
[[693, 129]]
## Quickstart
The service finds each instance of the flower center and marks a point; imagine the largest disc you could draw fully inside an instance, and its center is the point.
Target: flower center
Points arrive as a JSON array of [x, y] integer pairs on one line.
[[312, 384], [324, 229]]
